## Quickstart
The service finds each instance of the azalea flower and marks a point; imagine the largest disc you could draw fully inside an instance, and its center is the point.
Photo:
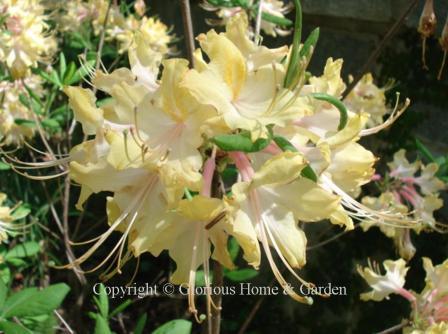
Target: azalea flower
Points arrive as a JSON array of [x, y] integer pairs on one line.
[[409, 187], [369, 98], [154, 144], [429, 307], [391, 282], [13, 113], [26, 40], [275, 8]]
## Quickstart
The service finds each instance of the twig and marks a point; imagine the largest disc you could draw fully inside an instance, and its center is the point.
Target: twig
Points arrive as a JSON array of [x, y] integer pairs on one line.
[[64, 322], [188, 30], [254, 311], [101, 42], [374, 55], [218, 281], [395, 328]]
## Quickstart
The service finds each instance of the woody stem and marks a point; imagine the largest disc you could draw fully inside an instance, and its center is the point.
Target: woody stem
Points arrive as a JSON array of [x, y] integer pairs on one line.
[[188, 29]]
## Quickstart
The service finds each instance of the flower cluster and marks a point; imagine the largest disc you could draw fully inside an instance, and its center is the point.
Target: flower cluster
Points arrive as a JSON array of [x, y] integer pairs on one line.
[[369, 98], [159, 145], [6, 219], [26, 39], [124, 29], [14, 115], [269, 14], [429, 307], [407, 187]]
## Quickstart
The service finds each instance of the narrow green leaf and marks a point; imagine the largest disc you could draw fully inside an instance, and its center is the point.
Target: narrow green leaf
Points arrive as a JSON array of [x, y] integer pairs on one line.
[[4, 166], [103, 302], [21, 212], [120, 308], [338, 104], [31, 302], [240, 142], [51, 124], [141, 322], [25, 249], [309, 173], [311, 41], [178, 326], [25, 122], [62, 65], [24, 100], [293, 64], [69, 73], [34, 96], [9, 327], [200, 278], [101, 326], [234, 248], [52, 77], [3, 293], [241, 275], [81, 72], [424, 151], [281, 21]]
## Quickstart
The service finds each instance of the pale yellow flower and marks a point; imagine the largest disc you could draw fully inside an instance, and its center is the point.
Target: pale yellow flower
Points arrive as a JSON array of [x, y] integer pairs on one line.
[[12, 109], [26, 40], [384, 285], [369, 98]]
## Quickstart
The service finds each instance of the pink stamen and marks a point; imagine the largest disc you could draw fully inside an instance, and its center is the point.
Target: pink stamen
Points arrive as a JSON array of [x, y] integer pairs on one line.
[[406, 294], [408, 197], [243, 164], [209, 170], [376, 177], [272, 149], [408, 179], [397, 196]]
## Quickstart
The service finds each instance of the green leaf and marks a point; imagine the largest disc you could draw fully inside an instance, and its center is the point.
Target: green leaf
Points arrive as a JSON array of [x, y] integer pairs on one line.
[[81, 72], [103, 302], [240, 142], [234, 248], [69, 73], [338, 104], [4, 166], [62, 65], [178, 326], [51, 124], [424, 151], [101, 326], [292, 69], [5, 273], [25, 122], [141, 322], [200, 278], [34, 96], [52, 77], [3, 293], [16, 262], [309, 173], [120, 308], [311, 41], [31, 302], [241, 275], [12, 328], [25, 249], [21, 212], [281, 21]]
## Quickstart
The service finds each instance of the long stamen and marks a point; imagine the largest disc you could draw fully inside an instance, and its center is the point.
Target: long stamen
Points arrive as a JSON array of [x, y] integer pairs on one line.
[[396, 113]]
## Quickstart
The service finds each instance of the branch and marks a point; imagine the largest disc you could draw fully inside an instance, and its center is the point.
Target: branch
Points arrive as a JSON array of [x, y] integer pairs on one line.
[[375, 54], [188, 30]]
